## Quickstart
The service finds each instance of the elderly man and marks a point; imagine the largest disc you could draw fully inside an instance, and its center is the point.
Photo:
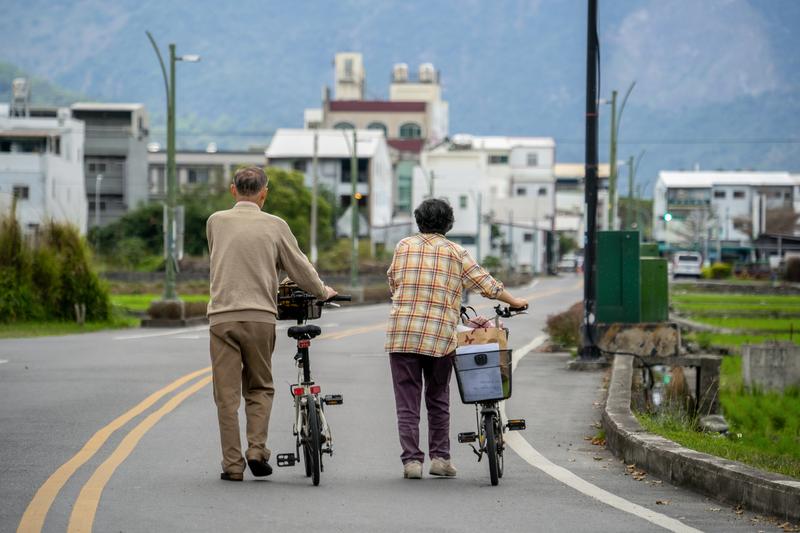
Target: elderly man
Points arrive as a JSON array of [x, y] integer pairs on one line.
[[247, 248]]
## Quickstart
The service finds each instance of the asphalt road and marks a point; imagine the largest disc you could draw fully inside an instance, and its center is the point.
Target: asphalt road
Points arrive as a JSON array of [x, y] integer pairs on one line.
[[76, 452]]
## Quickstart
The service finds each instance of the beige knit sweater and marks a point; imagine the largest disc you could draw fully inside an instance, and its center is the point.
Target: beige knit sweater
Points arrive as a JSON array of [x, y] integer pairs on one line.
[[248, 247]]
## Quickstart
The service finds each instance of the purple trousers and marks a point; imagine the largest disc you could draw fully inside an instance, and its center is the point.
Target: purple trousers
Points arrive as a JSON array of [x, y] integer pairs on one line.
[[410, 372]]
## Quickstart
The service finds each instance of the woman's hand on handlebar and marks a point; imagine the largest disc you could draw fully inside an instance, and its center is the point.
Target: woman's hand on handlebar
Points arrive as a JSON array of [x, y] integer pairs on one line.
[[519, 304]]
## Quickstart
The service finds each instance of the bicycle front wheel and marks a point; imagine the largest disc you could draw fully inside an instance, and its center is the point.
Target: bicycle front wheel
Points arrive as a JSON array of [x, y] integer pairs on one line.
[[311, 445], [491, 447]]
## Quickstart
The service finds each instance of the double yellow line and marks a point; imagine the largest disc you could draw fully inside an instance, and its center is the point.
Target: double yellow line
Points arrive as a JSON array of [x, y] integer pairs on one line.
[[85, 507]]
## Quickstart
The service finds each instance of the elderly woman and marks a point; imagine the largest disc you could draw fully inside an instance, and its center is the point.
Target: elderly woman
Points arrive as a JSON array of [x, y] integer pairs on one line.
[[426, 277]]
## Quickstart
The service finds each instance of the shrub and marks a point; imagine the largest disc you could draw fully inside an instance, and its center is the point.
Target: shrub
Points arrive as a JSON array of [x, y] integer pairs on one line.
[[717, 271], [47, 281], [793, 270], [491, 263], [565, 328]]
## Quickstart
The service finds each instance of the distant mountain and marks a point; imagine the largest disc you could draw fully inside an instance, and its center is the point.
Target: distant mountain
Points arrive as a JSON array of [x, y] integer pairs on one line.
[[717, 70]]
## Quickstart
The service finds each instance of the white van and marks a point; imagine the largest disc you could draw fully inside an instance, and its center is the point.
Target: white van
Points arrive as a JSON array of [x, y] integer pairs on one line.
[[687, 264]]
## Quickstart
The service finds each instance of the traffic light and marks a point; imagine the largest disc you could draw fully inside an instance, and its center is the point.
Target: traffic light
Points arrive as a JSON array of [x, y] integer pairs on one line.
[[667, 217]]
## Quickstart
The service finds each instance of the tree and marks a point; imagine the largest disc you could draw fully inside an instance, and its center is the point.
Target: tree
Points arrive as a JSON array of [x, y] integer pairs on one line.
[[290, 199], [695, 227], [782, 221]]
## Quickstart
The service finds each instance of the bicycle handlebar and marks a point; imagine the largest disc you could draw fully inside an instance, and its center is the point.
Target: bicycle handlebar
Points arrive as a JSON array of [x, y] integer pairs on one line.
[[508, 311]]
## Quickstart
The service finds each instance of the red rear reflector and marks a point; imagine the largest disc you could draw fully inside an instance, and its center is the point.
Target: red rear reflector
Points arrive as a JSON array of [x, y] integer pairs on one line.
[[303, 343], [315, 389], [298, 391]]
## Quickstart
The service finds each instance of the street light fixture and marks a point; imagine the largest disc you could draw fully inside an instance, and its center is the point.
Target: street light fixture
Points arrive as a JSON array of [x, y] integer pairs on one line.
[[170, 231]]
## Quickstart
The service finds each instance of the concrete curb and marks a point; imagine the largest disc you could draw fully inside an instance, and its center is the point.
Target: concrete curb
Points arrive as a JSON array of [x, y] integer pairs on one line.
[[728, 481]]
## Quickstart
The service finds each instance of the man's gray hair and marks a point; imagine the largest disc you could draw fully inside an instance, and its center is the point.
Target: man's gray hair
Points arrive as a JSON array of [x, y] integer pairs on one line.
[[249, 181]]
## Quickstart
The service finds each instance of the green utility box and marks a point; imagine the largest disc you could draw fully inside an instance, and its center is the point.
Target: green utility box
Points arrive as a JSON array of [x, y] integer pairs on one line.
[[618, 279], [648, 249], [655, 290]]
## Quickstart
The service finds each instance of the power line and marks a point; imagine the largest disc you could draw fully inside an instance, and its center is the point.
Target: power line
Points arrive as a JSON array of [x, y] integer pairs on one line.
[[690, 141]]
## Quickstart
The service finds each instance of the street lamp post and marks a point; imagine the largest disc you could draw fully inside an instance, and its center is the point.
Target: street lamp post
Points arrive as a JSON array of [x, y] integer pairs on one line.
[[616, 118], [170, 233], [97, 182]]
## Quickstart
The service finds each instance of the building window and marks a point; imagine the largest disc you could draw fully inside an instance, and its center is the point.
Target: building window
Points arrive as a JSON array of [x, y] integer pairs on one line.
[[462, 201], [377, 126], [343, 126], [719, 194], [348, 69], [363, 167], [21, 192], [521, 191], [533, 159], [405, 172], [299, 165], [528, 237], [463, 240], [498, 159], [738, 194], [542, 191], [410, 130]]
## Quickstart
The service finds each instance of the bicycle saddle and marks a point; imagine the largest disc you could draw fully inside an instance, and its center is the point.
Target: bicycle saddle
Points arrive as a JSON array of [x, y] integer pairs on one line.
[[308, 331]]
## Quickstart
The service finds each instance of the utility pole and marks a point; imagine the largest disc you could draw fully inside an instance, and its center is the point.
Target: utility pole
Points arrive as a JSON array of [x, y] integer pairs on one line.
[[630, 194], [430, 185], [612, 174], [314, 190], [478, 238], [97, 183], [354, 214], [589, 350]]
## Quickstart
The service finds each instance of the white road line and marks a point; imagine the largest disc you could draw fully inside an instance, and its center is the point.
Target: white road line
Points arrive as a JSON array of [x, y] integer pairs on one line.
[[3, 361], [524, 449], [159, 334]]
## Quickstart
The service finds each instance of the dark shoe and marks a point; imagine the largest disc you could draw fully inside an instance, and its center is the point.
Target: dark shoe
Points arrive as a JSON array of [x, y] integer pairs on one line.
[[259, 468], [230, 476]]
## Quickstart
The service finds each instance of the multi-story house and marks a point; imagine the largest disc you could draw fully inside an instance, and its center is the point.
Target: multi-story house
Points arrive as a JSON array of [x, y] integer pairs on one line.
[[505, 183], [211, 167], [115, 158], [294, 149], [41, 169], [413, 117], [720, 211]]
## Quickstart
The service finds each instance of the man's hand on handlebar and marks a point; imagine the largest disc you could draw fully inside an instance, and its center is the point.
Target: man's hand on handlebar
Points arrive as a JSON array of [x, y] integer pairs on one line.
[[329, 293], [518, 304]]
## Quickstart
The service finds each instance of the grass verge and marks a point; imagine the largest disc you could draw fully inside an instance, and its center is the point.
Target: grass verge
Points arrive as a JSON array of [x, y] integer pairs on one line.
[[140, 302], [764, 426], [41, 329]]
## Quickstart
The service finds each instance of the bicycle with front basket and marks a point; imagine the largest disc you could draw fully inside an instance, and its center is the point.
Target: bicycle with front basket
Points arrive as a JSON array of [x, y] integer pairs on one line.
[[484, 379], [311, 429]]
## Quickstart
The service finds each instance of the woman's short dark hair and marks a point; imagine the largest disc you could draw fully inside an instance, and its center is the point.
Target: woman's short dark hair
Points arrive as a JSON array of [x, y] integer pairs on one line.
[[434, 215]]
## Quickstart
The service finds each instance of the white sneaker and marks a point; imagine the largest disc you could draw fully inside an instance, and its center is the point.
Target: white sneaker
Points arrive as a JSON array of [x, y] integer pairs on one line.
[[442, 467], [412, 470]]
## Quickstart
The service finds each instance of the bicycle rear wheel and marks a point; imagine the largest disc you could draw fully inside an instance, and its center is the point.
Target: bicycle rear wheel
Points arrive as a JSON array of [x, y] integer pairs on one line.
[[311, 446], [491, 447]]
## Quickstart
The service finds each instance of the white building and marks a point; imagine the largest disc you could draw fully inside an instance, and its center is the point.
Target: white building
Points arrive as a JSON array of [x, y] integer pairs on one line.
[[505, 182], [41, 165], [571, 202], [214, 168], [293, 149], [732, 207]]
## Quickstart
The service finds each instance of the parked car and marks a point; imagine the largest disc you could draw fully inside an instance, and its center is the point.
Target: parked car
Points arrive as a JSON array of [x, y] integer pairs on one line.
[[568, 263], [687, 264]]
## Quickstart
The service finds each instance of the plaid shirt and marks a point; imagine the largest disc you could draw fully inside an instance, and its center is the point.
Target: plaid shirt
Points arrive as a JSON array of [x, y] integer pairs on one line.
[[426, 278]]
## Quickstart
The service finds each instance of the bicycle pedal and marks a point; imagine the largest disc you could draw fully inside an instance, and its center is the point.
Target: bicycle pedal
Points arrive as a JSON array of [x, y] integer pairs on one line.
[[516, 424], [333, 399], [465, 438], [287, 459]]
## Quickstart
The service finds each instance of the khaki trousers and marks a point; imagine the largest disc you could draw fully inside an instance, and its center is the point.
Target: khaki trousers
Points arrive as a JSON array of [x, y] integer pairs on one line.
[[241, 364]]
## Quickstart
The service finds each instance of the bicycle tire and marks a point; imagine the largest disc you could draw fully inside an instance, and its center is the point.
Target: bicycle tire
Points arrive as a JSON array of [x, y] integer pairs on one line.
[[313, 439], [491, 446], [500, 446], [307, 460]]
